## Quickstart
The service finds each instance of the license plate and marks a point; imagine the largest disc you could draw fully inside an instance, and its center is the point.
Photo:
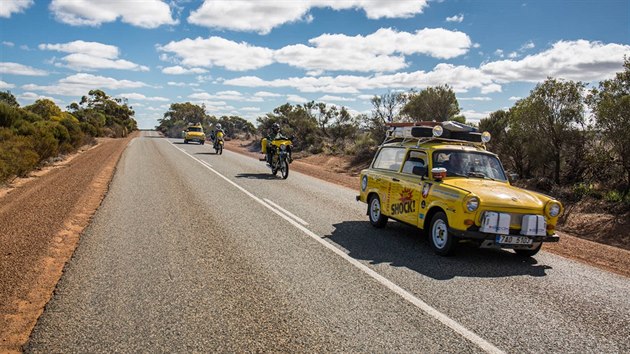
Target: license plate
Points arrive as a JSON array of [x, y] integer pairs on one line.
[[513, 240]]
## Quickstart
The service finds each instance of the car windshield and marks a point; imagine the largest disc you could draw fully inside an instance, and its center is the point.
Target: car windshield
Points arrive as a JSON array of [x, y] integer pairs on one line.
[[194, 129], [474, 164]]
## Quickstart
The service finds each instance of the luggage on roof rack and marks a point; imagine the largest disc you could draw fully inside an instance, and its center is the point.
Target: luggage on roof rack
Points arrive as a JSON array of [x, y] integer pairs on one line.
[[449, 130]]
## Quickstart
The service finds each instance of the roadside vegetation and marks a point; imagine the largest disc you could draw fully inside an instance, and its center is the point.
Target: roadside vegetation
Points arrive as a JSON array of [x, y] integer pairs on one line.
[[38, 133], [562, 139]]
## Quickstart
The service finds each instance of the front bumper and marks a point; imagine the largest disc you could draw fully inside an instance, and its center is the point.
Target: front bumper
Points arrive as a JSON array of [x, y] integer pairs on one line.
[[482, 236]]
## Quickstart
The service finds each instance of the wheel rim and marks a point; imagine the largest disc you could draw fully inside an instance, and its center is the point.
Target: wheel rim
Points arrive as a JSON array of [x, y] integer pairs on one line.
[[439, 233], [375, 209]]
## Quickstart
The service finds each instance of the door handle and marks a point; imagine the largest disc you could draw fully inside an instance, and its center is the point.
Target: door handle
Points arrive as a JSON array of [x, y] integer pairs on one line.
[[395, 180]]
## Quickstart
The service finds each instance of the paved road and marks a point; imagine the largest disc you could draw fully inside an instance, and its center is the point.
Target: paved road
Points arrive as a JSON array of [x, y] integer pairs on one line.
[[190, 252]]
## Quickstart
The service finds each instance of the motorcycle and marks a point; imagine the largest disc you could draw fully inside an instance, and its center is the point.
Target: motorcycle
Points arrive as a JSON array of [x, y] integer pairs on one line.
[[278, 155], [218, 143]]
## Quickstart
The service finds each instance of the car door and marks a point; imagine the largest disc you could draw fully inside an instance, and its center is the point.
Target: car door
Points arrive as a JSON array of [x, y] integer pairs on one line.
[[385, 170], [406, 204]]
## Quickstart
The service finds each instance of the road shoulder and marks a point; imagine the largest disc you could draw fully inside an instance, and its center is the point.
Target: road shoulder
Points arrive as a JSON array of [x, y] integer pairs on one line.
[[42, 219]]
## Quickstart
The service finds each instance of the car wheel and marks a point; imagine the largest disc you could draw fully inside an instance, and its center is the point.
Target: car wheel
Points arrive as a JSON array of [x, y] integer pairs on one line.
[[441, 242], [377, 219], [528, 253], [185, 141]]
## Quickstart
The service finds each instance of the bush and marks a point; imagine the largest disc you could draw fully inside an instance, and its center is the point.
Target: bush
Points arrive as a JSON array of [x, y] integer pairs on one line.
[[17, 157]]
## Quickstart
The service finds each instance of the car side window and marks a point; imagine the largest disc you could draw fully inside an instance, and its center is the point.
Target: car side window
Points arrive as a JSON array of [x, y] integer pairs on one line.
[[389, 159], [414, 159]]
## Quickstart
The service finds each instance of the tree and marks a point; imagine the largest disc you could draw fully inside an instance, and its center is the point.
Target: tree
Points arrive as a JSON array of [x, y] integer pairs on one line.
[[610, 103], [8, 98], [180, 115], [432, 104], [551, 115], [46, 109]]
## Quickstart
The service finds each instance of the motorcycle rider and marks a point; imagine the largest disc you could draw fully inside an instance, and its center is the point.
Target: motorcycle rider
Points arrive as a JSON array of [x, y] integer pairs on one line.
[[215, 133], [275, 135]]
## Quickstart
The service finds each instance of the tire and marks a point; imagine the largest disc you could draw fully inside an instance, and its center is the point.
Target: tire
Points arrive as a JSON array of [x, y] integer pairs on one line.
[[528, 253], [377, 219], [442, 242], [202, 143], [274, 168], [284, 168], [220, 149], [185, 141]]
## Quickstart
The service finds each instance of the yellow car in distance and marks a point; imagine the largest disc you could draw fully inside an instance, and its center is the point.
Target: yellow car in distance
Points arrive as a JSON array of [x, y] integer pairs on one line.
[[194, 133], [439, 178]]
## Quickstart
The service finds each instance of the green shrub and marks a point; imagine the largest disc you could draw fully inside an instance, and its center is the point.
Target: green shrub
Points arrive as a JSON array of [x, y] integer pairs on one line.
[[613, 197], [17, 156]]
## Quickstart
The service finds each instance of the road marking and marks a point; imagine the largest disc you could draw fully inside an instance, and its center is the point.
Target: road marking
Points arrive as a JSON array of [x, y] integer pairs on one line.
[[205, 163], [295, 217], [428, 309]]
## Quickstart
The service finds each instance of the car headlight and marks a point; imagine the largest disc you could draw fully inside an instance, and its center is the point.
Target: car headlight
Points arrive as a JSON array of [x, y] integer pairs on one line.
[[283, 147], [553, 209], [471, 204]]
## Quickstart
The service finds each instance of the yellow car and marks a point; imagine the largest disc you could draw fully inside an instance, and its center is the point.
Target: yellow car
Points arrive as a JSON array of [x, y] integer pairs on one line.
[[439, 178], [195, 133]]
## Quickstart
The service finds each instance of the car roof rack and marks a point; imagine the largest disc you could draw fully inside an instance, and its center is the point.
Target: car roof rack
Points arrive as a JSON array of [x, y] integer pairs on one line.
[[423, 132]]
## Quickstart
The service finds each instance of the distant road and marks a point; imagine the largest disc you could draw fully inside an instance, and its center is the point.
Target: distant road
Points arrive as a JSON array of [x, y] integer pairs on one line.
[[191, 251]]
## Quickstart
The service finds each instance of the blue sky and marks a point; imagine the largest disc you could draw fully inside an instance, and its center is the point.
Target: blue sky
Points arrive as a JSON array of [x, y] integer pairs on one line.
[[247, 57]]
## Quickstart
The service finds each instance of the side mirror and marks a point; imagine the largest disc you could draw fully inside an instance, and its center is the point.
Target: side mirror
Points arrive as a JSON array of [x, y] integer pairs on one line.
[[438, 173], [419, 171], [513, 177]]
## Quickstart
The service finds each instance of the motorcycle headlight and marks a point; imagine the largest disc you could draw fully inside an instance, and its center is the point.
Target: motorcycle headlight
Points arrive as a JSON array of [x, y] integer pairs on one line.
[[553, 209], [283, 147], [471, 204]]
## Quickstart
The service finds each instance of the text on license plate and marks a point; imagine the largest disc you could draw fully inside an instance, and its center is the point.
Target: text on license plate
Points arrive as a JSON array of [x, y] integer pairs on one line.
[[513, 240]]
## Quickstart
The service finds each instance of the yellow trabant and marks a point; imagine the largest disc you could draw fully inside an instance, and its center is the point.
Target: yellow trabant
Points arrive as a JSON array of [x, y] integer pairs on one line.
[[440, 179], [195, 133]]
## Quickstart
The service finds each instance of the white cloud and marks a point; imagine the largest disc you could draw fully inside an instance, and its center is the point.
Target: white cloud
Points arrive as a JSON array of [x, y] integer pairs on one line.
[[250, 109], [381, 51], [336, 98], [491, 88], [526, 46], [483, 98], [8, 44], [365, 97], [178, 84], [92, 56], [81, 84], [217, 51], [514, 98], [456, 18], [572, 60], [473, 116], [5, 85], [460, 78], [263, 15], [14, 6], [141, 97], [19, 69], [266, 94], [178, 70], [145, 13], [296, 99], [28, 97]]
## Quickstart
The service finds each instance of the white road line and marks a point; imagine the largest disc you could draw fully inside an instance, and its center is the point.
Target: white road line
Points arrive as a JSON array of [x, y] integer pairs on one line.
[[291, 215], [428, 309], [205, 163]]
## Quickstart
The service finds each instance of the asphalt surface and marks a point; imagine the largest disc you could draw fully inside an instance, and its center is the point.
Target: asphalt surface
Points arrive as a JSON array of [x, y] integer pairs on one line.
[[190, 252]]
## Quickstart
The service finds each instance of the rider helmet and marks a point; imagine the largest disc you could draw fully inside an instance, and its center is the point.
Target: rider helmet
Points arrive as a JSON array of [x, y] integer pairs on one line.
[[275, 128], [218, 126]]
